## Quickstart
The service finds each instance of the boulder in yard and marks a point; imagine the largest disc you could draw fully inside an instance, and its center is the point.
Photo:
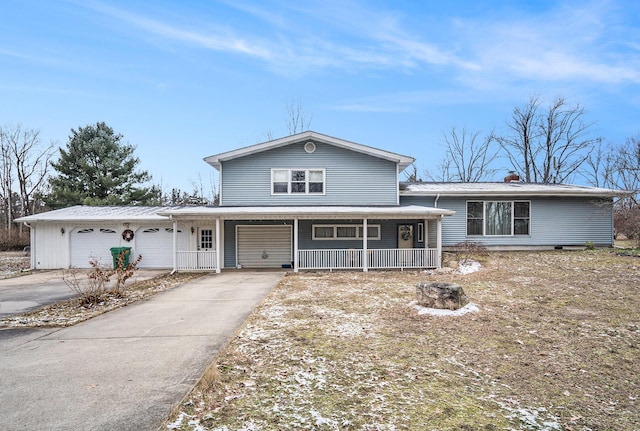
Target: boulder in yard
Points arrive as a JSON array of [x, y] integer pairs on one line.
[[442, 295]]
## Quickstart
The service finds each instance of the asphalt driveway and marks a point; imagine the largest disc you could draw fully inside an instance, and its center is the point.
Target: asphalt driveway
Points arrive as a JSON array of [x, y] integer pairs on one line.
[[124, 370]]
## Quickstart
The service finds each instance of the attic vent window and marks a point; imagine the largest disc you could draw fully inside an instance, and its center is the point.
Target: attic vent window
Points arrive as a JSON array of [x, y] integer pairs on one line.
[[309, 147]]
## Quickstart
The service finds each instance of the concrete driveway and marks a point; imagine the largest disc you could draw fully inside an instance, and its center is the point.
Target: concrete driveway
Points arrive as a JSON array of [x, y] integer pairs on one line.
[[124, 370], [28, 292]]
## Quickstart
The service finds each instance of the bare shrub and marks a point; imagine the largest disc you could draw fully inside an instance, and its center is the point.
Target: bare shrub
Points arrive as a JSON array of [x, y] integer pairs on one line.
[[97, 285], [468, 250]]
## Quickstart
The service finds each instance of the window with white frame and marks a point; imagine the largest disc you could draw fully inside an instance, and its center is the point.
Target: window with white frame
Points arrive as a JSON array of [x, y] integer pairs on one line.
[[344, 231], [297, 181], [498, 218]]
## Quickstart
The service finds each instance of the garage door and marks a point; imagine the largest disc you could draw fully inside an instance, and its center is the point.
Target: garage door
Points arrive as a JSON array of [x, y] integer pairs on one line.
[[93, 243], [155, 244], [263, 246]]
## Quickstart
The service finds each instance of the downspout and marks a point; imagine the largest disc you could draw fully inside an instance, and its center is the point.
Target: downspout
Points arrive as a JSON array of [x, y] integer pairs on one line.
[[175, 241], [435, 201]]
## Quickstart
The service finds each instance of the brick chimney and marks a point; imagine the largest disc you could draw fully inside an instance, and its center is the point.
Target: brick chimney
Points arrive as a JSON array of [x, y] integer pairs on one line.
[[511, 177]]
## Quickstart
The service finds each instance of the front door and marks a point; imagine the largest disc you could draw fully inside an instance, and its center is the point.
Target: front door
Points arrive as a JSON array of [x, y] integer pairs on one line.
[[205, 239], [205, 243], [405, 236]]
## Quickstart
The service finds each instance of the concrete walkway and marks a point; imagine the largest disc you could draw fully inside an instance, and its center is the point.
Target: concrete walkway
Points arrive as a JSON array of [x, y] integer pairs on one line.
[[124, 370]]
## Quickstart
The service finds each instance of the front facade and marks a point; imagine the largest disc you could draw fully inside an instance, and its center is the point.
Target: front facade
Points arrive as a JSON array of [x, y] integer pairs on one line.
[[311, 201]]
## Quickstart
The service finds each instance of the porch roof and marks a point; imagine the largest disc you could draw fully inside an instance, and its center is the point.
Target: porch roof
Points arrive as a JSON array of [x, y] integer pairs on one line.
[[307, 212]]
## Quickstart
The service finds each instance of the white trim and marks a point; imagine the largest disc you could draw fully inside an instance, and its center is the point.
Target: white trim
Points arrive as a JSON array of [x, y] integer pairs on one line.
[[420, 232], [484, 218], [335, 232], [306, 181], [365, 240], [295, 245], [175, 245], [219, 186], [218, 245], [309, 212], [217, 159]]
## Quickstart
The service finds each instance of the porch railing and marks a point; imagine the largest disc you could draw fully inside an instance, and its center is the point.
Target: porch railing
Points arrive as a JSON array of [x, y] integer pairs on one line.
[[377, 258], [403, 258], [196, 260], [330, 259]]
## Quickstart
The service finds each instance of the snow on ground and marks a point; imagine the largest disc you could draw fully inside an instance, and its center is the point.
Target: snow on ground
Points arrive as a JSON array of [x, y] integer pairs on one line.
[[469, 308], [469, 267]]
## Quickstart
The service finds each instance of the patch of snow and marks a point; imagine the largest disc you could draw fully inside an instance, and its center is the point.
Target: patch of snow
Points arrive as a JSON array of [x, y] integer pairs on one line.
[[469, 267], [321, 420], [469, 308]]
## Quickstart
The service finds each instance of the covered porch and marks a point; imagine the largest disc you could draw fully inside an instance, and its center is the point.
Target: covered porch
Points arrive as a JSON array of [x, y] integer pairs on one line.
[[309, 238]]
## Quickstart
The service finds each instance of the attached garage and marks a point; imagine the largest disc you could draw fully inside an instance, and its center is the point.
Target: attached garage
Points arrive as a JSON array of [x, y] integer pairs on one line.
[[261, 246], [155, 244], [93, 243]]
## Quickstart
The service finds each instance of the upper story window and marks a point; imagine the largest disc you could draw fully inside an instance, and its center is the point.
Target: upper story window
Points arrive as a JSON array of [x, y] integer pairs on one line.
[[297, 181], [498, 218]]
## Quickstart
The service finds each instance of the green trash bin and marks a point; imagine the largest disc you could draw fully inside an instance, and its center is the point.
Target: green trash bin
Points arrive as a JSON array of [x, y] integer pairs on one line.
[[115, 253]]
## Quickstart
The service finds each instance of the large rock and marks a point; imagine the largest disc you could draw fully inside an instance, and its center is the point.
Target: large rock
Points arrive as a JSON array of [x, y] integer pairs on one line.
[[447, 296]]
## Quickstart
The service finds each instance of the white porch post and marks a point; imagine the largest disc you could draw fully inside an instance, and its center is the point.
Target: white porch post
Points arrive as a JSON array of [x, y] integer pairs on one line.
[[426, 233], [365, 246], [439, 239], [425, 238], [175, 244], [295, 245], [218, 246]]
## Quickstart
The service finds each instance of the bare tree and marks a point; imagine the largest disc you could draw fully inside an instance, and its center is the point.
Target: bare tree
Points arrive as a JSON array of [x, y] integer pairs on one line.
[[296, 119], [6, 182], [25, 165], [548, 146], [618, 167], [469, 156]]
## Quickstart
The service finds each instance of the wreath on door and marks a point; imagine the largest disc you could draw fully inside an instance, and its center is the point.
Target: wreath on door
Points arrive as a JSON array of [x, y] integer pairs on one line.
[[127, 235], [406, 233]]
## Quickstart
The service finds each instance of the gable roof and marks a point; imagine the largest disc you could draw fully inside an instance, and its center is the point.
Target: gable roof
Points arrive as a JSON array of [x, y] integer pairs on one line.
[[513, 188], [83, 213], [402, 161]]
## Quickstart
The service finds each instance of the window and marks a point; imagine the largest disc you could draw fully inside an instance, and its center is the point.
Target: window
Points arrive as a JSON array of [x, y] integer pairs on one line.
[[475, 211], [206, 239], [344, 231], [297, 181], [498, 218], [521, 218]]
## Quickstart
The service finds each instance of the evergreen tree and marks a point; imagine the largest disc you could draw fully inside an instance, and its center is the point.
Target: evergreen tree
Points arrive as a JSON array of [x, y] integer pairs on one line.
[[97, 168]]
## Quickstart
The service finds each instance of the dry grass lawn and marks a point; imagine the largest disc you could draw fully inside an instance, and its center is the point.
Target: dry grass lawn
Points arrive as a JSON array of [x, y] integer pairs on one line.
[[555, 346]]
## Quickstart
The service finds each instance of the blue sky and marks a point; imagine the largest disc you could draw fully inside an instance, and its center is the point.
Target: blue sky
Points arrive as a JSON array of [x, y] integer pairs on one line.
[[182, 80]]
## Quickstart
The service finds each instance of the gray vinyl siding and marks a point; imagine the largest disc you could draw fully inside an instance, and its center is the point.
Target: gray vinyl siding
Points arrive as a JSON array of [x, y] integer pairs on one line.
[[351, 178], [562, 221]]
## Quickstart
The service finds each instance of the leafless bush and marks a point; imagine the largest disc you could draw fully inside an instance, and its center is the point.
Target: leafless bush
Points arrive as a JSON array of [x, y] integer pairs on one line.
[[97, 285], [13, 239], [627, 222], [467, 250]]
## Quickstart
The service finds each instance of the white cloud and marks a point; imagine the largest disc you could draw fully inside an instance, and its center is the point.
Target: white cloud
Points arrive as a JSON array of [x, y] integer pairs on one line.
[[562, 44]]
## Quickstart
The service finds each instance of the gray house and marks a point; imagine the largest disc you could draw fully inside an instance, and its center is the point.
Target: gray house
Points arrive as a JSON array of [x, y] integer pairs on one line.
[[312, 201]]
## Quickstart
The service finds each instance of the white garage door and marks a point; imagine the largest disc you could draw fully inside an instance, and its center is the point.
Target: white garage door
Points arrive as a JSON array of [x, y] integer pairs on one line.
[[155, 244], [263, 246], [94, 243]]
